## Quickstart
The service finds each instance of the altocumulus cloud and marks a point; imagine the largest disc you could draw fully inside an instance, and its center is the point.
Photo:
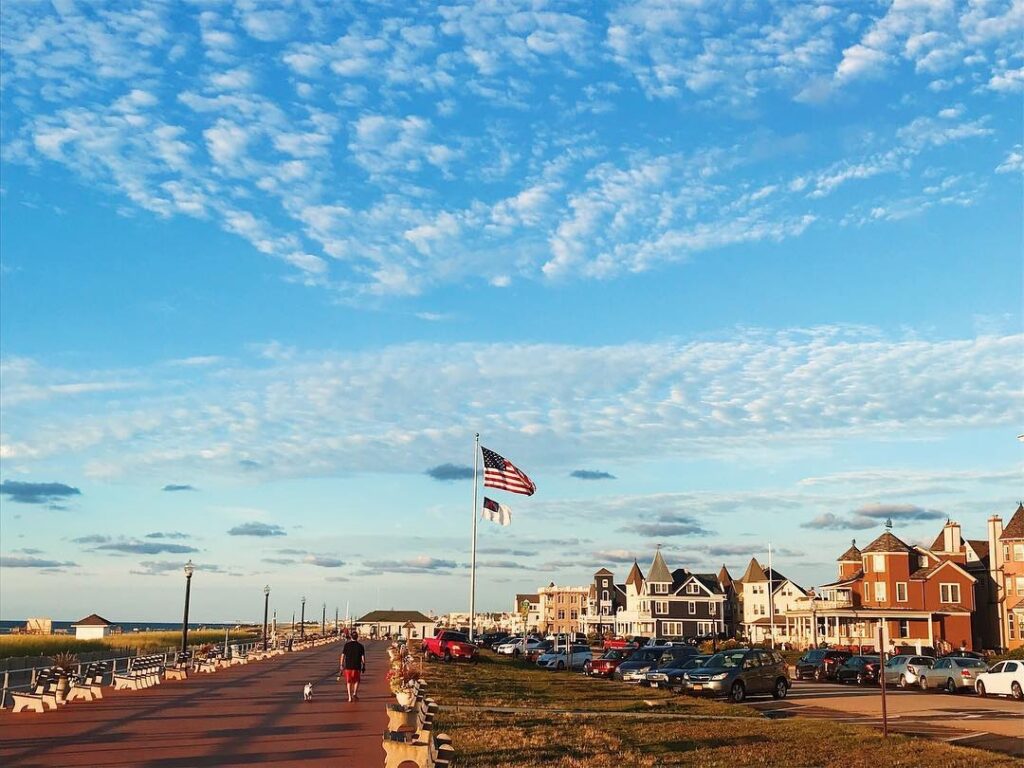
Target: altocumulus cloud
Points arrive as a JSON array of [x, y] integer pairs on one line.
[[421, 564], [14, 561], [37, 493], [323, 561], [448, 472], [257, 529], [167, 535], [144, 547], [172, 487], [591, 474], [872, 515]]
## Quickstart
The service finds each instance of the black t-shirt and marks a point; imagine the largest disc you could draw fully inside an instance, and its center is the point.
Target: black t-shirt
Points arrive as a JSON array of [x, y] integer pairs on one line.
[[352, 655]]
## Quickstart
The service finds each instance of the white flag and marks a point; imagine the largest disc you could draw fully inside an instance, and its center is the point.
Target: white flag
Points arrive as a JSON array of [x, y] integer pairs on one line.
[[496, 513]]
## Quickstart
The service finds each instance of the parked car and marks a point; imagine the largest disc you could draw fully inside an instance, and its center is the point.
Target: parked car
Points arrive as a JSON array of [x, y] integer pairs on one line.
[[638, 665], [607, 663], [739, 673], [488, 639], [450, 646], [538, 650], [859, 669], [1005, 678], [625, 642], [952, 674], [508, 646], [902, 671], [671, 675], [821, 663], [576, 637], [671, 656], [577, 658]]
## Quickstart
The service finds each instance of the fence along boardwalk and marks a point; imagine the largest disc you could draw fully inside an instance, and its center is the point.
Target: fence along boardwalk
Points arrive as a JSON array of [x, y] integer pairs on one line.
[[244, 715]]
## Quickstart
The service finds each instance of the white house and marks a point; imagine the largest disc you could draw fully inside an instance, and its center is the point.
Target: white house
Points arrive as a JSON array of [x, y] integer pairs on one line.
[[412, 625], [757, 620], [92, 627]]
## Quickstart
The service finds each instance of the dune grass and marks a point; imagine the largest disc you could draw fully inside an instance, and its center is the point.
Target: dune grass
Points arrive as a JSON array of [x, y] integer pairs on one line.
[[143, 642], [621, 737]]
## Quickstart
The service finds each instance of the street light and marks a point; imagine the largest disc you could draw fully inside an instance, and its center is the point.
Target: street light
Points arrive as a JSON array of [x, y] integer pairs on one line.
[[302, 621], [266, 606], [189, 568], [323, 622]]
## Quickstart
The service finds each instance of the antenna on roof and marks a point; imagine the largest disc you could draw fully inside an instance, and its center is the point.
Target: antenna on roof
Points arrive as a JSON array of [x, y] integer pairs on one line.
[[853, 542], [888, 523]]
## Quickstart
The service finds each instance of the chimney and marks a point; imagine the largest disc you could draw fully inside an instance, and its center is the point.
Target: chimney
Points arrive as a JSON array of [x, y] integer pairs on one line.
[[951, 537]]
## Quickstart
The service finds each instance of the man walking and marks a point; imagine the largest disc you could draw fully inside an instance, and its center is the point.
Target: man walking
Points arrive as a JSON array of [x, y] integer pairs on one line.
[[353, 664]]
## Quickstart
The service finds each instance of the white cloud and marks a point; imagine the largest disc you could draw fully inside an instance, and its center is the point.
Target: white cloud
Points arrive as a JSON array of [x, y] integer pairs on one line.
[[1014, 161]]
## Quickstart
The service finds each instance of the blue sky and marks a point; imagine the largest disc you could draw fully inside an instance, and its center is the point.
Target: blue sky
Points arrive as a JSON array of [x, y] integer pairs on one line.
[[265, 264]]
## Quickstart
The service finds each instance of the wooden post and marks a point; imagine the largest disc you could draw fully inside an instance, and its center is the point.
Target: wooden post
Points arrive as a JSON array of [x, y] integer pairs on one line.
[[7, 682]]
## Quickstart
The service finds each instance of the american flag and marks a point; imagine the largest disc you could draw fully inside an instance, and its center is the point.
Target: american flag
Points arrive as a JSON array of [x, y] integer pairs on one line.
[[499, 472]]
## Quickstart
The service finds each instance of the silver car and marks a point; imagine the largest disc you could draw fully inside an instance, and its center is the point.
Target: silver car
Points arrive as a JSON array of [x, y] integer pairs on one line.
[[902, 671], [953, 673]]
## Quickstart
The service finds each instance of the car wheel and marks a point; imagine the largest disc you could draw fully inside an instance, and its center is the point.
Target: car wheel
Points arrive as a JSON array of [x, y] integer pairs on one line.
[[560, 665], [447, 657], [515, 653], [781, 689], [902, 682], [587, 668], [950, 686], [923, 683], [981, 690], [1016, 692], [860, 678], [737, 693], [428, 656]]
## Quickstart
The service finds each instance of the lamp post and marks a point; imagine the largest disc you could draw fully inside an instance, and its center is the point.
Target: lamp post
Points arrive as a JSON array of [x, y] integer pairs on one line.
[[323, 622], [189, 568], [266, 607], [302, 620]]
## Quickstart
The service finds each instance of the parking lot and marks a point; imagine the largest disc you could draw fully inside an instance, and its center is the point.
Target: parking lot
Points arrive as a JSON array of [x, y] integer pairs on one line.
[[990, 723]]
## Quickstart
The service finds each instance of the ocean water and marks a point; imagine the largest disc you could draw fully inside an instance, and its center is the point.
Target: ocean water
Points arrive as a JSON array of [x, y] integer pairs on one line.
[[126, 626]]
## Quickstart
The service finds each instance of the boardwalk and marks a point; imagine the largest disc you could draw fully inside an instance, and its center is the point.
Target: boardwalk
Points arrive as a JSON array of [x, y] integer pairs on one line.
[[244, 715]]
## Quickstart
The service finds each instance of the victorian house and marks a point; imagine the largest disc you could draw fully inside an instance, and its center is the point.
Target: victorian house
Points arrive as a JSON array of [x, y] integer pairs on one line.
[[766, 596]]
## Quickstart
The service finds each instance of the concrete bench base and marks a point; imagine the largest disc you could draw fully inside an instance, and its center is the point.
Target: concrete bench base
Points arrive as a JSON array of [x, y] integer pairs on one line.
[[176, 674], [23, 701]]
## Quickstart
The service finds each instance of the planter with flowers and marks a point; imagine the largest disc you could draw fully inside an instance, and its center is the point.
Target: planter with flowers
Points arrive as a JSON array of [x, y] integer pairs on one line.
[[65, 663]]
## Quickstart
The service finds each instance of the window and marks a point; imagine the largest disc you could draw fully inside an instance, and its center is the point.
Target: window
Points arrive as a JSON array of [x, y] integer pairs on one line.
[[878, 564], [712, 609], [704, 627], [879, 591], [692, 607], [692, 589], [1006, 552], [573, 614], [1010, 633], [604, 594], [1018, 553], [901, 591], [561, 615], [904, 628], [661, 606], [1020, 586], [661, 589], [866, 568], [672, 628], [949, 593]]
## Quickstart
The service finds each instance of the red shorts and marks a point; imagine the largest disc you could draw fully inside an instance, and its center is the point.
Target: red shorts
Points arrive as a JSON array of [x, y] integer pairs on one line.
[[352, 676]]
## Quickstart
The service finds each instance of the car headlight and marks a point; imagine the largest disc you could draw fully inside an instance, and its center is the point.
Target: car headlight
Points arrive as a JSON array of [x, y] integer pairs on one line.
[[686, 676], [720, 676]]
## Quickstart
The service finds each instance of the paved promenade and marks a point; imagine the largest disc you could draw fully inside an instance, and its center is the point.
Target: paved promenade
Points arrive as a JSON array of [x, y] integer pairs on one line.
[[245, 715]]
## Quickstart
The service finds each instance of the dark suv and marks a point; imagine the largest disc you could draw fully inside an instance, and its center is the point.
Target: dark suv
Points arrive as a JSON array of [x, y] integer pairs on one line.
[[821, 663], [739, 673]]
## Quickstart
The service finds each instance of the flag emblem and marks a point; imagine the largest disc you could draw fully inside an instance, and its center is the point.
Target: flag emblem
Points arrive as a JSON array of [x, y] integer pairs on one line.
[[496, 513], [499, 472]]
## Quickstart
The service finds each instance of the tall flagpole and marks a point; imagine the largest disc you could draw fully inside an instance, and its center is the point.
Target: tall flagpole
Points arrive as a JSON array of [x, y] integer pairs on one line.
[[472, 556], [771, 592]]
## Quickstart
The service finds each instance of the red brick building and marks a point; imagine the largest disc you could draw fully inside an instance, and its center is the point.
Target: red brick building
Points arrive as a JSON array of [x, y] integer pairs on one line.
[[924, 597]]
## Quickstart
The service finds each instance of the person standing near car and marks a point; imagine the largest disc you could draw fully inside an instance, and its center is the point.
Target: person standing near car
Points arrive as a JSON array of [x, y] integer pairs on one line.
[[353, 664]]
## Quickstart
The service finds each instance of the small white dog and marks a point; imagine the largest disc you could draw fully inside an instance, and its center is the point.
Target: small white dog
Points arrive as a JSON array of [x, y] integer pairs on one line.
[[307, 692]]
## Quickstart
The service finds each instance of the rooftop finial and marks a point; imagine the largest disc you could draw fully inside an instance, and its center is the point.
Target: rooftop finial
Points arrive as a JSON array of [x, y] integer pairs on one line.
[[888, 523], [853, 542]]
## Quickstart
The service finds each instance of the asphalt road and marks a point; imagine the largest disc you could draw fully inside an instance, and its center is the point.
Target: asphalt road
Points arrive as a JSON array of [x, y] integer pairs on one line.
[[244, 715], [991, 723]]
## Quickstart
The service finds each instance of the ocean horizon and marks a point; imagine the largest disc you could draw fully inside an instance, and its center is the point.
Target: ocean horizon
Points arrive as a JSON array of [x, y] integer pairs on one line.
[[6, 626]]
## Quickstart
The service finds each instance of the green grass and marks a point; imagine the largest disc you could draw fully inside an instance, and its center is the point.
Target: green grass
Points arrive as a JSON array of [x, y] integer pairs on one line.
[[144, 642], [484, 739]]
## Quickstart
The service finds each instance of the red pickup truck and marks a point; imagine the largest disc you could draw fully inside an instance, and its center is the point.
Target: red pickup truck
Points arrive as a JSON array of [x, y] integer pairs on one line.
[[450, 646], [622, 642]]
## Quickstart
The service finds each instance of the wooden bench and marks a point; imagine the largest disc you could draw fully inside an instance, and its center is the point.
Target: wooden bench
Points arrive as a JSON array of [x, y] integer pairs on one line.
[[414, 742], [42, 696], [88, 684], [142, 672]]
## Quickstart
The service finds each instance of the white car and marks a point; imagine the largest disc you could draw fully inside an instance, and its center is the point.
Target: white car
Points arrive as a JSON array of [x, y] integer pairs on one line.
[[506, 648], [1004, 679], [557, 659]]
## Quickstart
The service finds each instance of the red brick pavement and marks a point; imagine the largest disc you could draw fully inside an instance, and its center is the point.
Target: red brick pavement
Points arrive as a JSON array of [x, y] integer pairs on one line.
[[250, 714]]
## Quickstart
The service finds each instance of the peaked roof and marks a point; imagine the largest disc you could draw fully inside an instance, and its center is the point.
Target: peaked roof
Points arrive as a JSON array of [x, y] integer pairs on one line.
[[92, 620], [659, 571], [533, 598], [1015, 528], [390, 617], [754, 572], [886, 543], [710, 581], [980, 547], [603, 572], [724, 578], [636, 578], [852, 555]]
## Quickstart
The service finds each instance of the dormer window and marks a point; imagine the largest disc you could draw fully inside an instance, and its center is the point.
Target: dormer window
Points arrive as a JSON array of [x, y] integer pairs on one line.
[[661, 589], [692, 589]]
